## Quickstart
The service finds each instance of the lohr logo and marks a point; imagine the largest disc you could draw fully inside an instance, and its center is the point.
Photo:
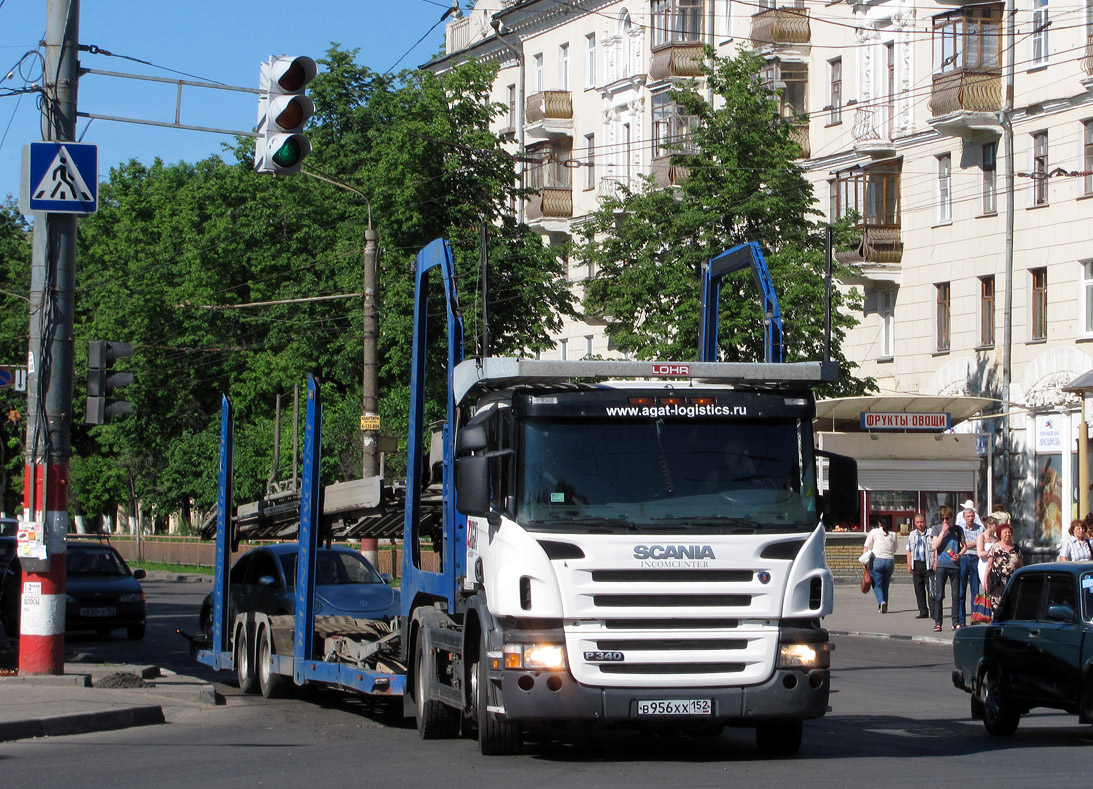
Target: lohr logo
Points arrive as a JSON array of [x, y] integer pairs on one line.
[[673, 552], [671, 369]]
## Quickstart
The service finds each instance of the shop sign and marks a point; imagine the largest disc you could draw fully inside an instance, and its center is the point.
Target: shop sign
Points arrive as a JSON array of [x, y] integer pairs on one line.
[[876, 420], [1049, 434]]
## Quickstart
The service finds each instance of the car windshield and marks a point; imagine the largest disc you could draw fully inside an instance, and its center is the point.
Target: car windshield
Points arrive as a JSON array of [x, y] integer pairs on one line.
[[664, 475], [334, 568], [95, 561]]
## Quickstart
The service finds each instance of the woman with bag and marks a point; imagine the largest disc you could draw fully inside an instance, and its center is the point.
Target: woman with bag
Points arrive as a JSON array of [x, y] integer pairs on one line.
[[1005, 558], [883, 543], [981, 604]]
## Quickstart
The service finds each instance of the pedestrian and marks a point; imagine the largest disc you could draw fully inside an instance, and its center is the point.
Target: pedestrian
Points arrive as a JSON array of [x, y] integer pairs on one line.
[[948, 544], [969, 560], [1005, 558], [983, 544], [884, 543], [1076, 547], [920, 565]]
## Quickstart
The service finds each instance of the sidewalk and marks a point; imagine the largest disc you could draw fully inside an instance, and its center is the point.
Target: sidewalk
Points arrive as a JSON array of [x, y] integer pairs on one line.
[[90, 698]]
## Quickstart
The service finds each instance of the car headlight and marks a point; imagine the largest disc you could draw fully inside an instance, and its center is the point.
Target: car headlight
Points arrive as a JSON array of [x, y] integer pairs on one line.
[[550, 657], [804, 656], [132, 597]]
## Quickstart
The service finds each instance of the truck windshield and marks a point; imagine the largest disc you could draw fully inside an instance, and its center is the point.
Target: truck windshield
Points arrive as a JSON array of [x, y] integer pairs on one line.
[[665, 475]]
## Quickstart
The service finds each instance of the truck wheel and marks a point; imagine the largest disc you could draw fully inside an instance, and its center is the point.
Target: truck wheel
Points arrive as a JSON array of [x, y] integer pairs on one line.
[[272, 685], [435, 720], [1000, 717], [244, 671], [779, 738], [496, 737]]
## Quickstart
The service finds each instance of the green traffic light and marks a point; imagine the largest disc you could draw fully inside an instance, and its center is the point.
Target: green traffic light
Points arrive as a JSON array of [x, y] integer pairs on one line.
[[288, 154]]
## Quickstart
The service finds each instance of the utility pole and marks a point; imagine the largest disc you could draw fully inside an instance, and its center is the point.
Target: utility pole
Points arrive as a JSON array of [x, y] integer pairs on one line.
[[370, 384], [49, 367]]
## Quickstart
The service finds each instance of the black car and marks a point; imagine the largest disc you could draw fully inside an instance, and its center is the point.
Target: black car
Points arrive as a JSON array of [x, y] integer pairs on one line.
[[102, 593], [1037, 652]]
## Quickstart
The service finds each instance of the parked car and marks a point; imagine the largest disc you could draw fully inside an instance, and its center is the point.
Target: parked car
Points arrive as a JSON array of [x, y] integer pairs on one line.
[[346, 584], [1037, 652], [102, 593], [7, 551]]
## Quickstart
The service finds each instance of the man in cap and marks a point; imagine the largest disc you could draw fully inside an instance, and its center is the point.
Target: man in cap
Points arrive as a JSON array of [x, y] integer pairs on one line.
[[969, 561]]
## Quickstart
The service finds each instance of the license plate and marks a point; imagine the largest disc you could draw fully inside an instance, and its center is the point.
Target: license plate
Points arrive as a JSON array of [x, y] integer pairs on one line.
[[675, 707], [98, 611]]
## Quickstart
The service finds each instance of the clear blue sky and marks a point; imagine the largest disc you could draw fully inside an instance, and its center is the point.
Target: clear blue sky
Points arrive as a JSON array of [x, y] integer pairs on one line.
[[216, 40]]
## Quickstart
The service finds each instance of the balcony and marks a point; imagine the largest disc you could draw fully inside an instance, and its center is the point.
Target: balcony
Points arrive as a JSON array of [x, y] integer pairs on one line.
[[1087, 64], [780, 27], [872, 132], [613, 187], [798, 132], [965, 101], [550, 208], [878, 244], [457, 35], [549, 114], [683, 59], [666, 174]]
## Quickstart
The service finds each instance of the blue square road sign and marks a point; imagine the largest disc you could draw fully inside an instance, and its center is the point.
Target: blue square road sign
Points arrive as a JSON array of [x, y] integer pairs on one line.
[[61, 177]]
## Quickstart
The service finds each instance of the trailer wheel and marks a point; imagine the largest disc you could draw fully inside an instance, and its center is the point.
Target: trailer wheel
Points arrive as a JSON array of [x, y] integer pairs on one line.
[[272, 685], [435, 720], [779, 738], [244, 671], [496, 737]]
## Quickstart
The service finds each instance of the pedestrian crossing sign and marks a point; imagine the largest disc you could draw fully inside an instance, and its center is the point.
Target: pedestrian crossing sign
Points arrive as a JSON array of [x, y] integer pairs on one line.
[[60, 177]]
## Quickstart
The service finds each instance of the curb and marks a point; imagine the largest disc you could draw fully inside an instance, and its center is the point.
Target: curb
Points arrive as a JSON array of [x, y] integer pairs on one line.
[[81, 723], [892, 637]]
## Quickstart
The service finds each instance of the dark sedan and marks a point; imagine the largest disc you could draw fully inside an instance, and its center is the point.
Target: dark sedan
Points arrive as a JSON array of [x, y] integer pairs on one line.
[[1038, 651], [346, 584], [102, 593]]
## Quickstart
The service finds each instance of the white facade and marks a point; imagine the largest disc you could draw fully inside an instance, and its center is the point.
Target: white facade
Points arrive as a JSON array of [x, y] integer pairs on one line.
[[905, 104]]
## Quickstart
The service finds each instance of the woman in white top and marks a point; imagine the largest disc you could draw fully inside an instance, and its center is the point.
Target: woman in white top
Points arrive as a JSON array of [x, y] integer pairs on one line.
[[983, 544], [1076, 547], [884, 543]]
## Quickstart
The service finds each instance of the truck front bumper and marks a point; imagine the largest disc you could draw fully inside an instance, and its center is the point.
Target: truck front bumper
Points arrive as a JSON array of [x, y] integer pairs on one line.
[[531, 696]]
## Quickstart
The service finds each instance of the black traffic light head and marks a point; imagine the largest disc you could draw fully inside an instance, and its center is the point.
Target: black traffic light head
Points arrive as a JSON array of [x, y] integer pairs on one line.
[[102, 380]]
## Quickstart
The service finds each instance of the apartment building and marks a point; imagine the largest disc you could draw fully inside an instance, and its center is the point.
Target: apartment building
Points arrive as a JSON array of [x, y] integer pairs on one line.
[[974, 209]]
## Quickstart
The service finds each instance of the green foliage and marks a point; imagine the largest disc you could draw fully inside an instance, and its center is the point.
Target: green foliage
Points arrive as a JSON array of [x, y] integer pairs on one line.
[[14, 321], [649, 245]]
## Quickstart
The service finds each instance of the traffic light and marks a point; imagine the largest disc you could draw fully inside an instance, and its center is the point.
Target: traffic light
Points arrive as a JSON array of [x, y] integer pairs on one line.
[[102, 380], [283, 111]]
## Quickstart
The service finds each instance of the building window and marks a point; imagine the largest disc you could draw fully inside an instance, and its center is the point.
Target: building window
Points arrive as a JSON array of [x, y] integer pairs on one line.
[[790, 82], [512, 107], [1040, 24], [1087, 297], [944, 189], [1088, 133], [886, 320], [588, 346], [872, 193], [550, 171], [835, 97], [1039, 168], [722, 21], [941, 308], [563, 349], [590, 60], [671, 128], [990, 172], [677, 21], [563, 67], [1039, 304], [590, 161], [968, 39], [986, 312], [537, 73]]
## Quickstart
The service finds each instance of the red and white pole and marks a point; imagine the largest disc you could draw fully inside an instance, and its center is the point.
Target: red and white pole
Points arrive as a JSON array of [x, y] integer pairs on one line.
[[42, 618]]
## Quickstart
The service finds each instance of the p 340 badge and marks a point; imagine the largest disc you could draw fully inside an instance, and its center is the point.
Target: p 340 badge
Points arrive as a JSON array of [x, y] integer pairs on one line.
[[604, 657]]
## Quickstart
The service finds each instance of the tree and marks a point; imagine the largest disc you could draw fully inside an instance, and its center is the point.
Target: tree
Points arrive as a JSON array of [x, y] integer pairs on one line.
[[743, 184], [15, 252]]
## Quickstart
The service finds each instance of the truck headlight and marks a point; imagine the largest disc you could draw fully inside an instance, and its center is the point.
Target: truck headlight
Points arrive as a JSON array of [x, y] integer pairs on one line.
[[806, 656], [550, 657]]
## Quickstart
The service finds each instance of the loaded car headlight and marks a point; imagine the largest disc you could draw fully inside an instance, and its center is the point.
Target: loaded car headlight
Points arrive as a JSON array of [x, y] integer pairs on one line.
[[804, 656], [537, 656], [132, 597]]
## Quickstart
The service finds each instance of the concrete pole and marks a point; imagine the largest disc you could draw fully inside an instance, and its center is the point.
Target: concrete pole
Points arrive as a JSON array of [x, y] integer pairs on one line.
[[370, 382], [49, 367]]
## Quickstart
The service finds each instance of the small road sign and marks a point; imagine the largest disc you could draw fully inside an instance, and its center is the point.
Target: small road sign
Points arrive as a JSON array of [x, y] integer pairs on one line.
[[61, 177], [7, 377]]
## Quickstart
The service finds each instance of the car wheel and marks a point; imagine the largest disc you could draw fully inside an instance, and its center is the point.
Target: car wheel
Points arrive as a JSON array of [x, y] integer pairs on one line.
[[1000, 717], [244, 671], [435, 720], [273, 685], [496, 737], [135, 632], [779, 738]]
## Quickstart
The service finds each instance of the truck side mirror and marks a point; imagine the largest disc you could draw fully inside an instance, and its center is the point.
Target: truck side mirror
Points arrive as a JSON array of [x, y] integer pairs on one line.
[[472, 484], [471, 438], [841, 500]]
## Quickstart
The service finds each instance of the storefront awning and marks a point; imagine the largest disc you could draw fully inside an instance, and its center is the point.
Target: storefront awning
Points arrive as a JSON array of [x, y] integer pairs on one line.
[[843, 414]]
